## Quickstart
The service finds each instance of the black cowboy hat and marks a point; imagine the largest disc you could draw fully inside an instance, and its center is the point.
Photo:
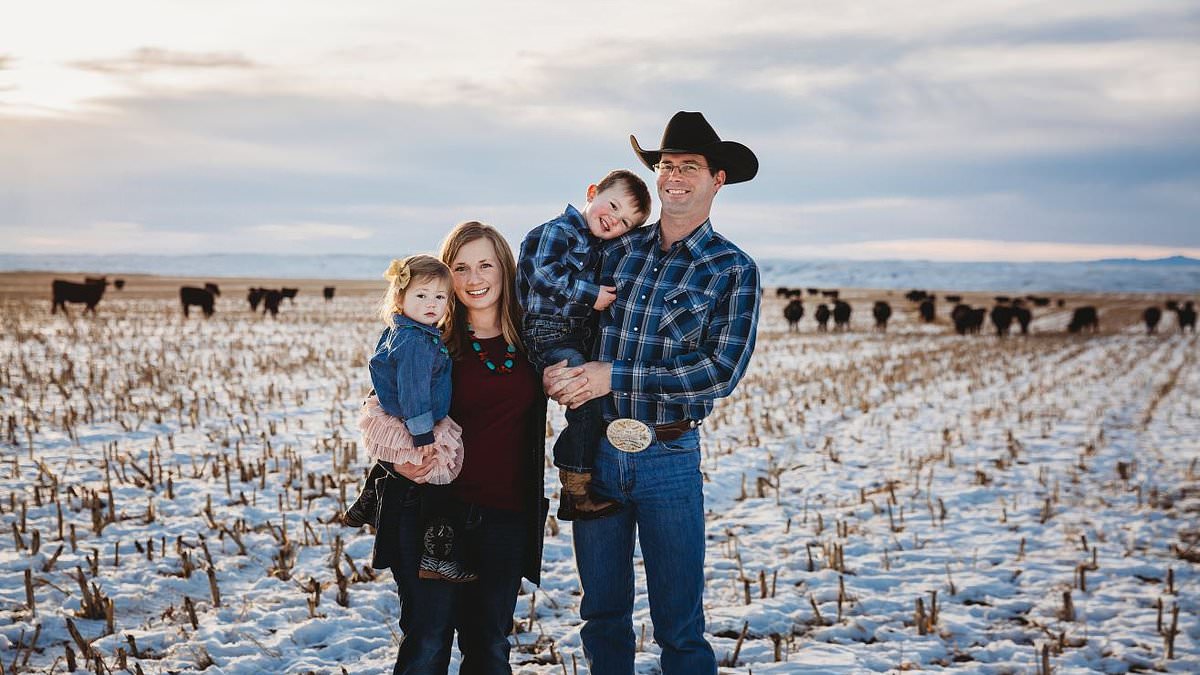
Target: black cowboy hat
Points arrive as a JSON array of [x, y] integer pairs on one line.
[[689, 132]]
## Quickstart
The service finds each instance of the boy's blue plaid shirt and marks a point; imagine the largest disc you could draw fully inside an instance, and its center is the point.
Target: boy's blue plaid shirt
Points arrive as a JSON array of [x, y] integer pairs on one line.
[[557, 268], [682, 329]]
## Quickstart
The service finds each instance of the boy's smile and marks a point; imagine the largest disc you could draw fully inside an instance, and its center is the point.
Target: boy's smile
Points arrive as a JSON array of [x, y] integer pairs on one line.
[[611, 213]]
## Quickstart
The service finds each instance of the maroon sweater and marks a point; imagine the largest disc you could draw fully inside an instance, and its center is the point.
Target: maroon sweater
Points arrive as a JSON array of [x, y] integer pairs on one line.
[[494, 411]]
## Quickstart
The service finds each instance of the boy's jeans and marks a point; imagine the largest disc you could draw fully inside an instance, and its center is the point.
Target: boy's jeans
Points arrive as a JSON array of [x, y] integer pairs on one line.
[[662, 492], [551, 339]]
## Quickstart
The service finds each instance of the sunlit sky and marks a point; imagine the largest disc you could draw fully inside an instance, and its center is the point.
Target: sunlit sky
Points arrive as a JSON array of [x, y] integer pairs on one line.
[[973, 130]]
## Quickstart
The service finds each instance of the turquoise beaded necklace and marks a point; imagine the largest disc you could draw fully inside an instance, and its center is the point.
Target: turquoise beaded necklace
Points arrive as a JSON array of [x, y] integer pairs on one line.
[[501, 369]]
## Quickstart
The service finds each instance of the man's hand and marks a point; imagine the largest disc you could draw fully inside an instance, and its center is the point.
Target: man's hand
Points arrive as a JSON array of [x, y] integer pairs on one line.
[[608, 295], [575, 386]]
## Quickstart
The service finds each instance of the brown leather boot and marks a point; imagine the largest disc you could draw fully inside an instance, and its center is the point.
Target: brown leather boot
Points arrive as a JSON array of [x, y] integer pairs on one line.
[[575, 499]]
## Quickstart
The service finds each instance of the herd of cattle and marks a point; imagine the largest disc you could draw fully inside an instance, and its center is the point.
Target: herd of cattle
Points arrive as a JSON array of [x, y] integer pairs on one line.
[[967, 320], [92, 290]]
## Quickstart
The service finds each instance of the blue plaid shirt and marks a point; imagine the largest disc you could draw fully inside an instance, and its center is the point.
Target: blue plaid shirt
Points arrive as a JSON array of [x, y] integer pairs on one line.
[[682, 329], [557, 270]]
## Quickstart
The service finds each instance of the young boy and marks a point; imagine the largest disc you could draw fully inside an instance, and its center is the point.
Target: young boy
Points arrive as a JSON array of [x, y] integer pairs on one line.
[[558, 288]]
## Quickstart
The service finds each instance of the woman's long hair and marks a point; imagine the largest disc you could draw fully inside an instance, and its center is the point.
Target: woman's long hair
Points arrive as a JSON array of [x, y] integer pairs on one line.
[[454, 328]]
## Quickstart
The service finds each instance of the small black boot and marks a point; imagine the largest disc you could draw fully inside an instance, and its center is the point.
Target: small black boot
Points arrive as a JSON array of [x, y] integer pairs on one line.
[[365, 509], [437, 561]]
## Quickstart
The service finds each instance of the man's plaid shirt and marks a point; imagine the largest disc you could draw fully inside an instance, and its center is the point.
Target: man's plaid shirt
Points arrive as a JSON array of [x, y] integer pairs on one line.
[[682, 329]]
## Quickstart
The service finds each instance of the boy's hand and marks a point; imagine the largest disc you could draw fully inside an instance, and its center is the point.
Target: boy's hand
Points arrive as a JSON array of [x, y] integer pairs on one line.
[[608, 295]]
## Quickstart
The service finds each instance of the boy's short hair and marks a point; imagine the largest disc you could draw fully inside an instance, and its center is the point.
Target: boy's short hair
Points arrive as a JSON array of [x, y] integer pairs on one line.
[[634, 185]]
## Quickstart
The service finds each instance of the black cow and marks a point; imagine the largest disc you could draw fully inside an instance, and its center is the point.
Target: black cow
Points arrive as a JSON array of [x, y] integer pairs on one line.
[[271, 299], [255, 296], [1040, 301], [967, 320], [1084, 317], [782, 292], [290, 294], [1023, 317], [793, 312], [822, 317], [1002, 299], [1002, 318], [1187, 316], [841, 315], [96, 280], [328, 293], [927, 310], [201, 297], [916, 295], [68, 291], [119, 283], [831, 294], [882, 312], [1152, 316], [813, 291], [1173, 305], [954, 298]]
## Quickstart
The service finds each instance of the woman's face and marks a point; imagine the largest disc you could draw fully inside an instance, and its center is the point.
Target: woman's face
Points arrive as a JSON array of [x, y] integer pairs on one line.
[[478, 279]]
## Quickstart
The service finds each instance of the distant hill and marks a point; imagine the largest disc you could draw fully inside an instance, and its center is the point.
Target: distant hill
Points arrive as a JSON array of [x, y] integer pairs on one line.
[[1173, 260]]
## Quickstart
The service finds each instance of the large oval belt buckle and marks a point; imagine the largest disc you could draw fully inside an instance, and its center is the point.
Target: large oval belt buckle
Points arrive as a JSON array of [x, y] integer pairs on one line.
[[628, 435]]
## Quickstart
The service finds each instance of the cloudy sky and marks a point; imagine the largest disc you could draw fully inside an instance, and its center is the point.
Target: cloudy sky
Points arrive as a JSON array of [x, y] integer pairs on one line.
[[968, 130]]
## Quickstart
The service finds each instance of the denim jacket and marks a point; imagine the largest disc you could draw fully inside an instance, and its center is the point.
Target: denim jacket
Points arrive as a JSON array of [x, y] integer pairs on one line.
[[410, 371]]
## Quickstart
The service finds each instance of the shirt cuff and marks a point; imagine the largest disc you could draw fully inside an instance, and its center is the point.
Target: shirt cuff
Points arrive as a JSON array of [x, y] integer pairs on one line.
[[630, 376], [421, 428], [585, 293]]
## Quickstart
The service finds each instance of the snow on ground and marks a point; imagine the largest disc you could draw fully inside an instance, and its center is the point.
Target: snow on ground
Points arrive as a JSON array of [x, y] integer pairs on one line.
[[876, 502]]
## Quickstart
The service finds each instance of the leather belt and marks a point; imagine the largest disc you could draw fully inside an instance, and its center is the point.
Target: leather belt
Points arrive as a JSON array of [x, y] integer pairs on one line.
[[673, 430]]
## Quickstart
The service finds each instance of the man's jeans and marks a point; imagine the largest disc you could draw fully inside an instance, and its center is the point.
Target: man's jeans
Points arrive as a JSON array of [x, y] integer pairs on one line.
[[480, 611], [664, 506], [554, 339]]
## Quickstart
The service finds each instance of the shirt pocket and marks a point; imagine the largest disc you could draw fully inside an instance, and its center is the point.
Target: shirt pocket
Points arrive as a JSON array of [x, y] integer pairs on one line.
[[685, 317]]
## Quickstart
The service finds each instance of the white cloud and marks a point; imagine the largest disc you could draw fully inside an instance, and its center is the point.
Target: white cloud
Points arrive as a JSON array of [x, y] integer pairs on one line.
[[343, 126]]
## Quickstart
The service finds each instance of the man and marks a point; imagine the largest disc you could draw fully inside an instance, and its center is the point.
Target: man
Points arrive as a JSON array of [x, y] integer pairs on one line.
[[679, 336]]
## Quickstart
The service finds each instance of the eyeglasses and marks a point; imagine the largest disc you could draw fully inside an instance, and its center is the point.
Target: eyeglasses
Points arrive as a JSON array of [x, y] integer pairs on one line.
[[687, 169]]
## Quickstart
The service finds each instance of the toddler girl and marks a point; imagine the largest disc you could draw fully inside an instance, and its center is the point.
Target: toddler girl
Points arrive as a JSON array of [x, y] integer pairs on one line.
[[405, 420]]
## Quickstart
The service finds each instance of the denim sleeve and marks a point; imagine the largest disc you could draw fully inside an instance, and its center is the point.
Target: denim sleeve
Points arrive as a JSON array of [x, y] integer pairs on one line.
[[414, 383]]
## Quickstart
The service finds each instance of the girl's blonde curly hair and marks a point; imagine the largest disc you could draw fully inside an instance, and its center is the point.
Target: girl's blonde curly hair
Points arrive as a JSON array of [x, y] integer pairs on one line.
[[405, 272]]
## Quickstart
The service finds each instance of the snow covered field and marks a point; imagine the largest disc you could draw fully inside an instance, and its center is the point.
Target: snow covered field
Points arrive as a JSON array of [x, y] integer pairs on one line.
[[912, 500]]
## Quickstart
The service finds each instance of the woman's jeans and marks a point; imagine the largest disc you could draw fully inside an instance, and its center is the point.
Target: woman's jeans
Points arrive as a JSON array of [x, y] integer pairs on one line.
[[481, 611], [664, 507]]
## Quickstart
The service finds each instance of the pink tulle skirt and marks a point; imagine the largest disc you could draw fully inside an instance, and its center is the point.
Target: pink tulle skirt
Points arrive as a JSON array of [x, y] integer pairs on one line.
[[388, 440]]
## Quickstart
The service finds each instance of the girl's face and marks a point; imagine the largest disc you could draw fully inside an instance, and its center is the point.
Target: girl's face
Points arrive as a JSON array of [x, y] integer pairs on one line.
[[425, 300], [478, 280]]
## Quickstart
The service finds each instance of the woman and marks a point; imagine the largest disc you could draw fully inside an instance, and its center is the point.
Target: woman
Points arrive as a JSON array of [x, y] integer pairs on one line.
[[497, 399]]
